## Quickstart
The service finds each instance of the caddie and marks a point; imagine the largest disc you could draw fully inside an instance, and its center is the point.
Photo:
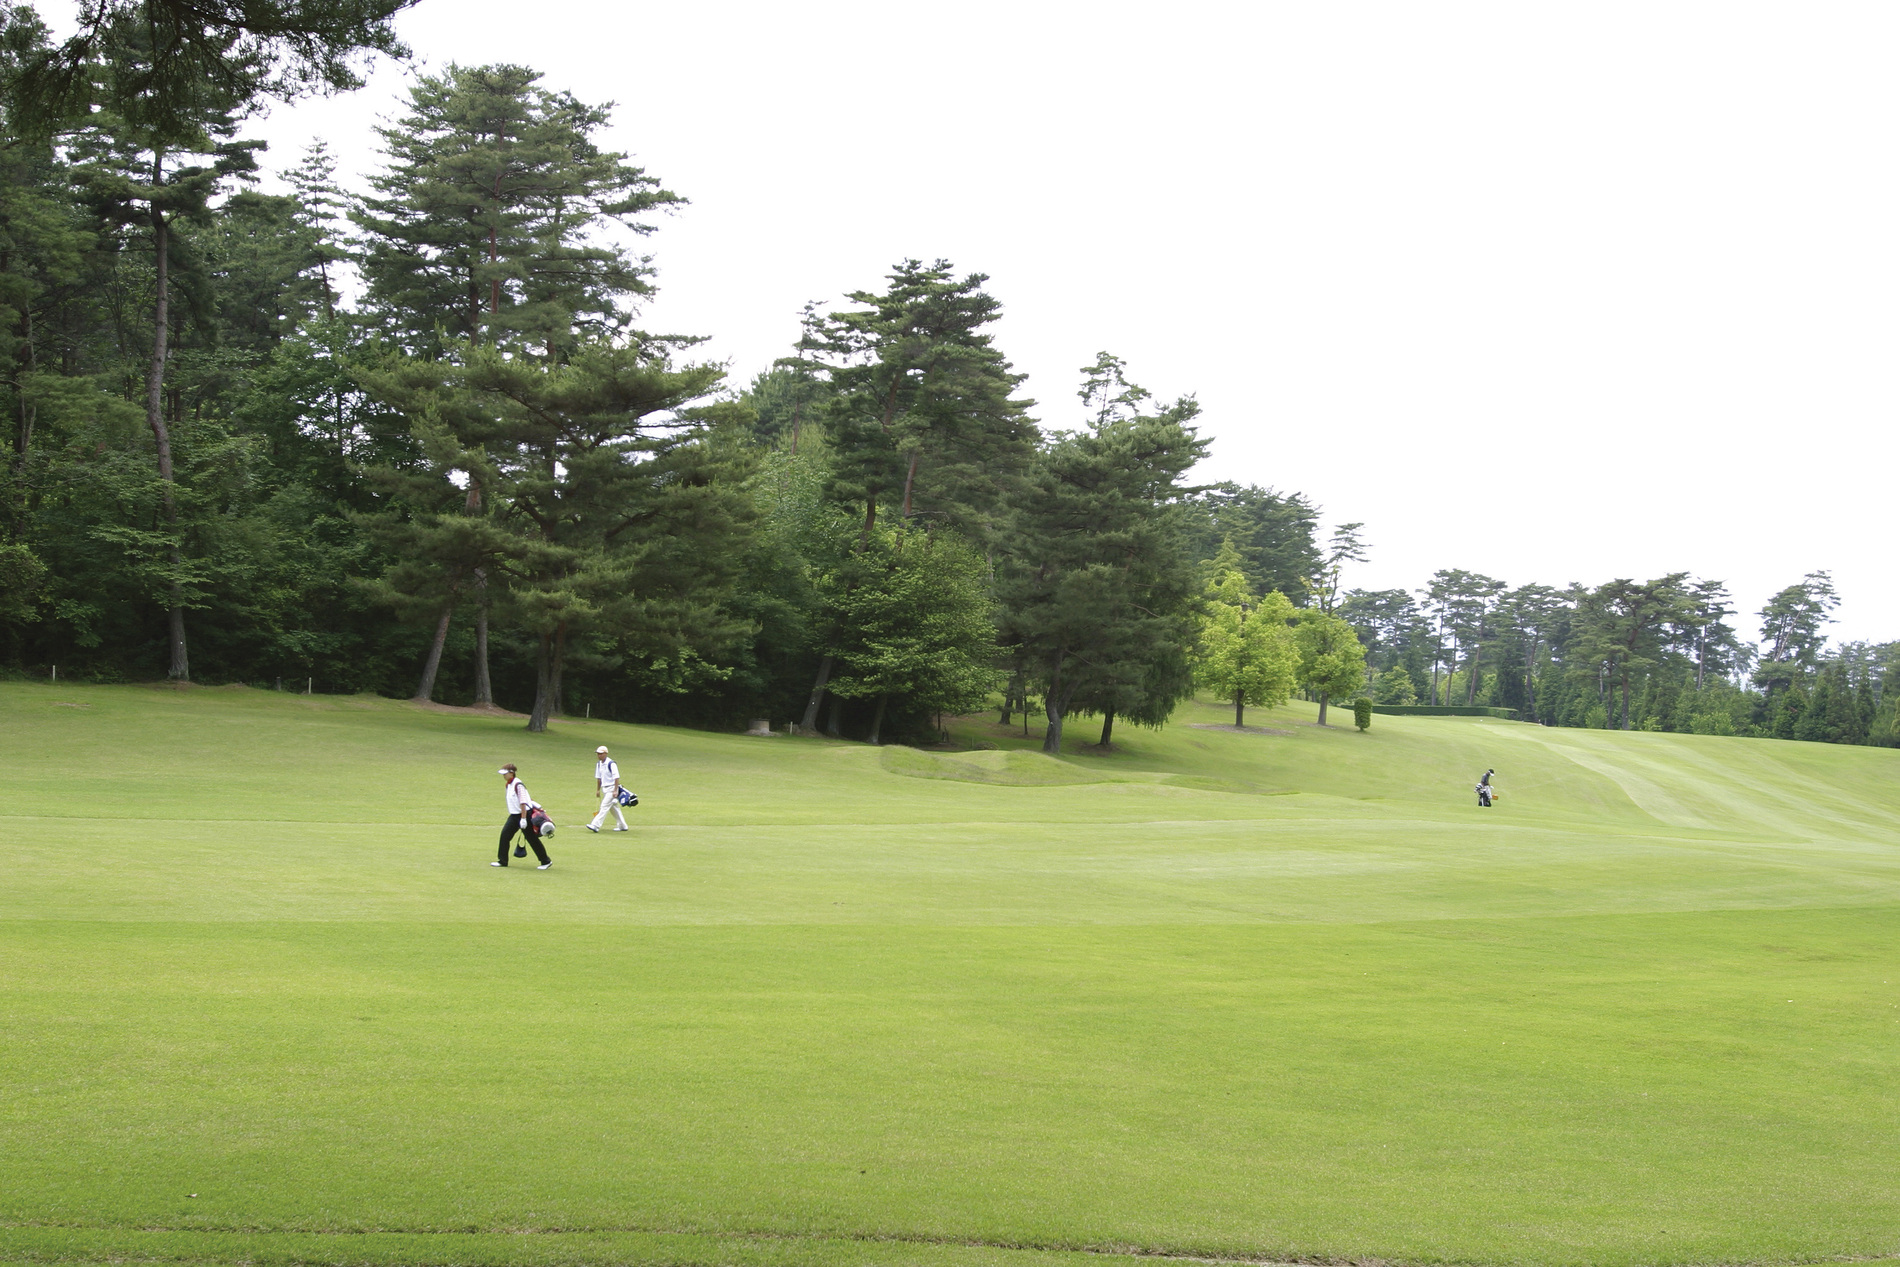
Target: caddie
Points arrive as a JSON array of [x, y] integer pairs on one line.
[[607, 787], [519, 806]]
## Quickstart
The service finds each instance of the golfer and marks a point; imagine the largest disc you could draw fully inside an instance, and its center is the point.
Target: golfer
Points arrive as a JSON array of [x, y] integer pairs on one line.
[[607, 787], [519, 803]]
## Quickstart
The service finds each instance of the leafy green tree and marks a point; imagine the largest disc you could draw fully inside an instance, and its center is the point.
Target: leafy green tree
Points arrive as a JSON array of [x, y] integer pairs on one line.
[[1247, 651], [1395, 686], [1331, 660], [917, 616]]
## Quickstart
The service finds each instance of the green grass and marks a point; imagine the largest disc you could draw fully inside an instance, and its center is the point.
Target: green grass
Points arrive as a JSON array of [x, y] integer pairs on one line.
[[1217, 994]]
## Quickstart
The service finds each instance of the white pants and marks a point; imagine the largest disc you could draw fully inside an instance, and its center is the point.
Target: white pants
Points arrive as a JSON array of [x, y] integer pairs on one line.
[[609, 801]]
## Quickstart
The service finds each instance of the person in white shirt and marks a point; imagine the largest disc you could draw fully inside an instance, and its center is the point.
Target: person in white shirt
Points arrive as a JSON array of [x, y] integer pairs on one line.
[[607, 787], [519, 803]]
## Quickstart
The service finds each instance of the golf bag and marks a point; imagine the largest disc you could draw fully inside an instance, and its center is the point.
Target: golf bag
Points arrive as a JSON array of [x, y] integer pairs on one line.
[[540, 823], [1484, 794], [626, 796]]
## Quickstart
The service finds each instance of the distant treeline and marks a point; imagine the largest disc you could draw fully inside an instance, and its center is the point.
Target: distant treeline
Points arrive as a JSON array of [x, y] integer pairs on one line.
[[412, 440], [1656, 655]]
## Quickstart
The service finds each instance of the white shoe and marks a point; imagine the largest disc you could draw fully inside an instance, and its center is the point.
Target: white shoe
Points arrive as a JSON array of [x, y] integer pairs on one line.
[[497, 864], [592, 828], [620, 829], [544, 866]]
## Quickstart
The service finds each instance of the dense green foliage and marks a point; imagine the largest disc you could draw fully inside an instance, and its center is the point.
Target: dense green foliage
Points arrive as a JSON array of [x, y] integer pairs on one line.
[[1659, 655], [413, 440]]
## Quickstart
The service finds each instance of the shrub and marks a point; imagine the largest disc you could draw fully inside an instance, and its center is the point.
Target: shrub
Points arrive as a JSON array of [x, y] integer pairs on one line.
[[1712, 724], [1362, 713]]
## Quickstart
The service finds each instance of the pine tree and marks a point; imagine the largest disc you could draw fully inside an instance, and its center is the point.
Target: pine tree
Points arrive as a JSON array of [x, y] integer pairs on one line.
[[623, 517], [1095, 584], [236, 50], [1791, 625], [924, 419], [146, 172], [1621, 627], [485, 225]]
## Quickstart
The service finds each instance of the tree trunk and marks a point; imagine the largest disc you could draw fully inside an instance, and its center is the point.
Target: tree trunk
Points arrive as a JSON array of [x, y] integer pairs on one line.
[[810, 719], [1240, 708], [831, 720], [1052, 707], [1626, 698], [555, 706], [910, 478], [543, 674], [484, 692], [877, 719], [1108, 728], [1471, 687], [870, 522], [180, 667], [1323, 697], [426, 688]]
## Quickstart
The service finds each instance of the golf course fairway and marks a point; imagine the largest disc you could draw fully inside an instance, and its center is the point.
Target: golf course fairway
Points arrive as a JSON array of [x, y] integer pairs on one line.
[[1260, 996]]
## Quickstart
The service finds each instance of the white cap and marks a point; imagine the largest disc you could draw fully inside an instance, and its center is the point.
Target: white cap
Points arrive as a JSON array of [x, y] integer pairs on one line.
[[602, 748], [504, 772]]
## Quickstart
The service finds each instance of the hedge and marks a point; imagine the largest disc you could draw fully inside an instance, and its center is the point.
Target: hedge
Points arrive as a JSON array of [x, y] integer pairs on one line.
[[1443, 710]]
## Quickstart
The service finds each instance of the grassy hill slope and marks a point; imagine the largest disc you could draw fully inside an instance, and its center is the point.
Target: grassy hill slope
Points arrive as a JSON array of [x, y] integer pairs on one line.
[[1226, 994]]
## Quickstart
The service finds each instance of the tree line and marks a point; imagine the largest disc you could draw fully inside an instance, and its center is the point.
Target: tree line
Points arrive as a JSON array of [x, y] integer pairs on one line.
[[413, 439], [1667, 654]]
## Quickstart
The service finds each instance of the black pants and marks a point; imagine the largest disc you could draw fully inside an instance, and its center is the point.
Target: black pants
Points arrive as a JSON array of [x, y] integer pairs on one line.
[[508, 830]]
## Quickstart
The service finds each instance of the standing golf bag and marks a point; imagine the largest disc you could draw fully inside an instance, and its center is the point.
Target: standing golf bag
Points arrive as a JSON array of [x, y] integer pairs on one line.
[[1484, 795]]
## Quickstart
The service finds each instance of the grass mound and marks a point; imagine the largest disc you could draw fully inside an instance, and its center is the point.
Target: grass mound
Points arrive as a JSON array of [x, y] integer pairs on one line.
[[1004, 768], [264, 1000]]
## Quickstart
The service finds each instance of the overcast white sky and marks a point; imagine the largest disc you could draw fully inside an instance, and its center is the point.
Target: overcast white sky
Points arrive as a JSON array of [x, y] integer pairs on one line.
[[1551, 292]]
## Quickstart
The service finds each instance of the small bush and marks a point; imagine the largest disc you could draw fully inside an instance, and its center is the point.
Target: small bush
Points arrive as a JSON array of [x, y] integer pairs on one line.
[[1712, 724], [1362, 713]]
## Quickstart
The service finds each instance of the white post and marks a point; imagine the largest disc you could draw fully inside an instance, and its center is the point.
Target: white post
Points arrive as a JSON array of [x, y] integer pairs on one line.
[[306, 686], [56, 673]]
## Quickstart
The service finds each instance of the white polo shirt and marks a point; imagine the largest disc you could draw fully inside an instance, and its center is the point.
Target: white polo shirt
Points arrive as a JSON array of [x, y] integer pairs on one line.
[[607, 771], [519, 802]]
